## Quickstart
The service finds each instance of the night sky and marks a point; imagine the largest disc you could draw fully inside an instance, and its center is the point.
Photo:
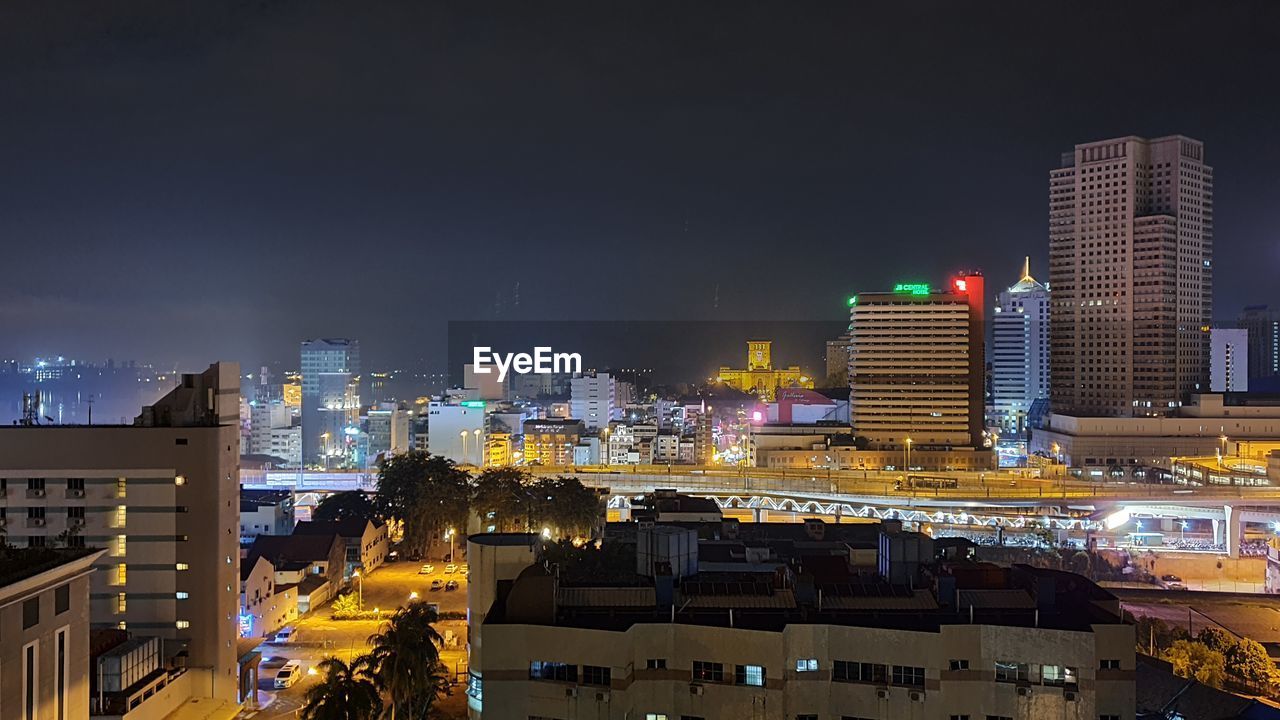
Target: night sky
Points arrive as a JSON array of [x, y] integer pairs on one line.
[[184, 184]]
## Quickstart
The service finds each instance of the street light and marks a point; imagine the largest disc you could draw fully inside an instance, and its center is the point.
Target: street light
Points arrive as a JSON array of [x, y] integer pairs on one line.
[[413, 596], [907, 467], [449, 534], [479, 449], [463, 435], [360, 589]]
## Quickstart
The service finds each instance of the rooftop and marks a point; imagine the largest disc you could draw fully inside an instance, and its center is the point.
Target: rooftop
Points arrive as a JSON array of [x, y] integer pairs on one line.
[[18, 564]]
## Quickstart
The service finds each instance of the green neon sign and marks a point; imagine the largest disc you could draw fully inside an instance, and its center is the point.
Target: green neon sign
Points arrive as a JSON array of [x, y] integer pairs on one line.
[[912, 288], [472, 403], [853, 301]]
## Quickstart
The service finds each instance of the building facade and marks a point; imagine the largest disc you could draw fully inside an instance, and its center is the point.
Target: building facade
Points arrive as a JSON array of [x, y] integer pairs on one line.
[[1263, 325], [44, 620], [551, 441], [457, 431], [162, 496], [1228, 360], [760, 377], [330, 397], [593, 399], [1019, 352], [1131, 267], [916, 364]]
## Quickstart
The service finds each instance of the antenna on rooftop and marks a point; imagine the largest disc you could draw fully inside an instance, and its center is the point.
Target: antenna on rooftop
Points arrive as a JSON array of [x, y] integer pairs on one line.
[[30, 409]]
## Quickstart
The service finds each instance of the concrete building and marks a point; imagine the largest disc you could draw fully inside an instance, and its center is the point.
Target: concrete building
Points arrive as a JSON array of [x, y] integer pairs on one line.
[[1228, 360], [1263, 326], [838, 362], [330, 397], [387, 429], [367, 541], [739, 624], [551, 441], [162, 496], [797, 406], [1131, 267], [265, 605], [760, 377], [486, 384], [916, 365], [265, 512], [265, 418], [315, 563], [44, 620], [1019, 352], [457, 431], [1246, 425], [593, 399]]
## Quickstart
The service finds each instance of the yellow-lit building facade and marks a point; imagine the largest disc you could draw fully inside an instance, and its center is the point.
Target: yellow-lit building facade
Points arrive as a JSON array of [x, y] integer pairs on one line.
[[759, 377], [498, 450]]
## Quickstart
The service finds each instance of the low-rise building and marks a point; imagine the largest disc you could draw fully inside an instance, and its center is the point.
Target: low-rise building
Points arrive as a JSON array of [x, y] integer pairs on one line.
[[265, 512], [714, 626], [265, 605], [367, 541], [551, 441], [314, 563], [44, 624]]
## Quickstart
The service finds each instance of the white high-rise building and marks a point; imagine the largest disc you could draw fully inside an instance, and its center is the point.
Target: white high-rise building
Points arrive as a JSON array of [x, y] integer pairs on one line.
[[1229, 360], [1019, 352], [1130, 263], [593, 399], [330, 398], [457, 431]]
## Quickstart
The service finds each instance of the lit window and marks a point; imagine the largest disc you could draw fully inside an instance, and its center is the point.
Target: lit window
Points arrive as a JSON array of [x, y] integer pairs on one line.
[[807, 665], [121, 517], [182, 595], [182, 624], [120, 487], [752, 675], [179, 480], [120, 545], [181, 566], [122, 574], [121, 602]]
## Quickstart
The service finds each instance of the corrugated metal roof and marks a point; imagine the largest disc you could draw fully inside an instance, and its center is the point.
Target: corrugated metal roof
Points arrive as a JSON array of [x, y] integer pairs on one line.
[[918, 600], [998, 599], [779, 599], [607, 597]]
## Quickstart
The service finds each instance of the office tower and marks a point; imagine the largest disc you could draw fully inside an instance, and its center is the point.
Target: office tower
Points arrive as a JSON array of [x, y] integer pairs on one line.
[[916, 364], [1228, 360], [162, 497], [330, 398], [1019, 352], [1130, 264], [457, 431], [1263, 324], [593, 399]]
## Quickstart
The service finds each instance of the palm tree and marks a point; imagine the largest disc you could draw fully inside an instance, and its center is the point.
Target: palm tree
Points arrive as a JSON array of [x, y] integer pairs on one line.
[[405, 661], [347, 692]]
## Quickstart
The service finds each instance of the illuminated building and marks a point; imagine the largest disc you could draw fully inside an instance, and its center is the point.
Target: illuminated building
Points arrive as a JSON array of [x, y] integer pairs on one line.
[[1228, 360], [1019, 352], [551, 441], [330, 398], [457, 431], [292, 393], [593, 399], [498, 450], [1130, 263], [162, 497], [760, 377], [916, 365], [1263, 324]]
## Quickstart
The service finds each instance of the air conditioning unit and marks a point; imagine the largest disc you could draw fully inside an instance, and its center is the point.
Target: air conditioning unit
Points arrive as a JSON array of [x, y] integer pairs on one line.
[[1024, 691], [882, 693], [917, 696], [33, 493], [695, 689], [1070, 696], [37, 522], [602, 697], [75, 522], [571, 692], [75, 493]]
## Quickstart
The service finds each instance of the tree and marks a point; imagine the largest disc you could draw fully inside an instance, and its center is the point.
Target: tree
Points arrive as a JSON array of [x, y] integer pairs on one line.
[[1249, 662], [1191, 659], [405, 661], [569, 506], [506, 496], [345, 606], [427, 493], [346, 692], [1153, 635], [341, 506], [1216, 639]]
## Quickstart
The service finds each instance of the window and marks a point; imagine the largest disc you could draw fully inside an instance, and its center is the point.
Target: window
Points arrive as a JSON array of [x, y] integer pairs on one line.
[[655, 664], [1109, 665], [181, 566], [999, 717], [121, 517], [120, 487], [807, 716], [75, 512], [908, 675], [1012, 672], [807, 665], [35, 483], [959, 717], [595, 675], [30, 681], [35, 513], [122, 602], [562, 672], [120, 545], [122, 574], [1058, 675], [30, 613], [1108, 717], [959, 664], [182, 624], [61, 599], [60, 696], [75, 483], [752, 675], [655, 716], [708, 671], [182, 595]]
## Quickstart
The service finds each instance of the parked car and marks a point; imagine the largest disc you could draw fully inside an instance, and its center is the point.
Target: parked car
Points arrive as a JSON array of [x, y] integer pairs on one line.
[[288, 674], [436, 585], [1173, 582], [283, 635], [427, 569], [451, 585], [450, 569]]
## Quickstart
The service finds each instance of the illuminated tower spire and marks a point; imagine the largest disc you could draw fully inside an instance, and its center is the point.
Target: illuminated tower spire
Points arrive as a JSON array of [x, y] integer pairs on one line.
[[1026, 268]]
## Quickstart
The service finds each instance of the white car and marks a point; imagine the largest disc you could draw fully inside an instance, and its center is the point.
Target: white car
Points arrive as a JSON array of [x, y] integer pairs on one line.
[[288, 674], [450, 569]]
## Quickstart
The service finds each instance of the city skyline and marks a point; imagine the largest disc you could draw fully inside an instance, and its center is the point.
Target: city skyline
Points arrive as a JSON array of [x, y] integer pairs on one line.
[[659, 152]]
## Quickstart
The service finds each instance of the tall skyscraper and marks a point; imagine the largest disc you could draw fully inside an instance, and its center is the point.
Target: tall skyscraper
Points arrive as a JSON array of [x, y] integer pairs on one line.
[[1019, 352], [1130, 263], [1228, 360], [162, 496], [916, 365], [593, 399], [1263, 324], [330, 397]]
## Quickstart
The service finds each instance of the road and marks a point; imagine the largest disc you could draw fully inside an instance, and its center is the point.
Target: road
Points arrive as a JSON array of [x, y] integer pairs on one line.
[[317, 636]]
